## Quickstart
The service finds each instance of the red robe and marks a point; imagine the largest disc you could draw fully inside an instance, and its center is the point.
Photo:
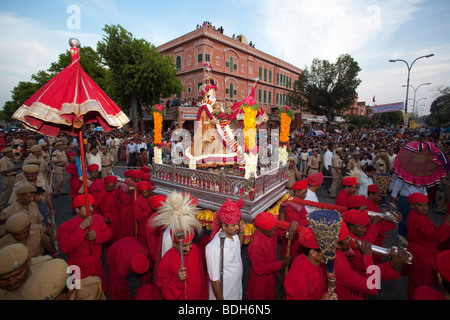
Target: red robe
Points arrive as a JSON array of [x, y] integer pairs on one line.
[[262, 252], [427, 293], [119, 267], [291, 213], [107, 205], [341, 199], [194, 288], [126, 216], [424, 240], [154, 244], [74, 181], [142, 211], [96, 187], [351, 276], [72, 242], [305, 281]]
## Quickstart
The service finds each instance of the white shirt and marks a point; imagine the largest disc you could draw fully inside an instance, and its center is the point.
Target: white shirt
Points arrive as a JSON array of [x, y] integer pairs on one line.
[[311, 196], [97, 159], [232, 266], [327, 159], [365, 182], [401, 188]]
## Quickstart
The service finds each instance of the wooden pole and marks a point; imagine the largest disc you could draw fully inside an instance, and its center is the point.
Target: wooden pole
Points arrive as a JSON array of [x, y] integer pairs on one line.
[[83, 173]]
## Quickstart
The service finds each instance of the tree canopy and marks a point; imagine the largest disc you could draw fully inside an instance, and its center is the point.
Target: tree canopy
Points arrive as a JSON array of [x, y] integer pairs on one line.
[[440, 109], [140, 75], [327, 88]]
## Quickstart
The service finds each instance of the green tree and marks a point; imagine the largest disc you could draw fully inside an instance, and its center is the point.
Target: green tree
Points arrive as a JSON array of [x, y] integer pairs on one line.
[[140, 75], [389, 118], [327, 88], [440, 109]]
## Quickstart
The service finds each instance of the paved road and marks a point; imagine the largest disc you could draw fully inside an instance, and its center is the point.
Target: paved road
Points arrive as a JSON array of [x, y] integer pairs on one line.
[[390, 290]]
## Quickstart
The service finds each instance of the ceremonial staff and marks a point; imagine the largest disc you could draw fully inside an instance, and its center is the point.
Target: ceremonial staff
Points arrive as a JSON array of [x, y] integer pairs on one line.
[[222, 237]]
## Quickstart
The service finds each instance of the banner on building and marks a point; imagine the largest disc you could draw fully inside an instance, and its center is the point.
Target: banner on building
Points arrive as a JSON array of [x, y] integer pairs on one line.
[[399, 106]]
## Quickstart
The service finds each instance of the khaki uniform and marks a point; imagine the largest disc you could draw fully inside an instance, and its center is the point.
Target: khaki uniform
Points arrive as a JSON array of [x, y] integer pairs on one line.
[[107, 163], [16, 294], [336, 168], [32, 210], [313, 163], [32, 159], [7, 181], [60, 171], [352, 164], [40, 182], [91, 289], [34, 242]]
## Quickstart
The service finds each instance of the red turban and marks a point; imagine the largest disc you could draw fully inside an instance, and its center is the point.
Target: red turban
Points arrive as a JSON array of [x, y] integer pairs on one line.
[[299, 185], [417, 198], [343, 233], [127, 173], [373, 188], [443, 264], [145, 169], [157, 201], [349, 181], [93, 167], [145, 185], [229, 213], [356, 201], [308, 240], [146, 177], [80, 201], [139, 263], [357, 217], [188, 238], [265, 221], [71, 154], [315, 179], [110, 179], [138, 174]]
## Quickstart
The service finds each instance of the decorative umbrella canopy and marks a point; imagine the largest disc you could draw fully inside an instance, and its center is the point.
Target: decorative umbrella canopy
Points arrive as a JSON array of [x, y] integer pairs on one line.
[[421, 163], [68, 101]]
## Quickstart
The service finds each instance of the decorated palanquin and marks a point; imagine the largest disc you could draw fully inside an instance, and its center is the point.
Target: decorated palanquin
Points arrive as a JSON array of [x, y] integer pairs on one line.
[[215, 144], [223, 160]]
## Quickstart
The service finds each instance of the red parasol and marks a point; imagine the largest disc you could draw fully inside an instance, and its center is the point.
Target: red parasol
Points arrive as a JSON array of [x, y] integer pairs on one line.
[[421, 163], [68, 101]]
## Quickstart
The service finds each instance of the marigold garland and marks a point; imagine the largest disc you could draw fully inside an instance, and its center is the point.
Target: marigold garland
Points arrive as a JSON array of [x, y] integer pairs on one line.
[[250, 127], [158, 112], [286, 115]]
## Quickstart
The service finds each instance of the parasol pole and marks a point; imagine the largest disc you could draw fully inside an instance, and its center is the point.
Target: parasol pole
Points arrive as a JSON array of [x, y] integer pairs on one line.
[[286, 268], [83, 172]]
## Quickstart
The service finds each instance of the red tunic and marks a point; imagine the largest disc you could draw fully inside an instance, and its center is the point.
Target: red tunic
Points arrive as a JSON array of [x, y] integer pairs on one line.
[[72, 241], [96, 187], [305, 281], [194, 288], [351, 276], [119, 266], [291, 213], [74, 181], [154, 244], [142, 211], [427, 293], [341, 198], [107, 205], [424, 239], [262, 252], [126, 216]]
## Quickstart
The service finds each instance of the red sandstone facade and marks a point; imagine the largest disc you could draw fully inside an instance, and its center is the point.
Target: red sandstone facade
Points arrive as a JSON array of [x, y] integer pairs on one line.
[[235, 65]]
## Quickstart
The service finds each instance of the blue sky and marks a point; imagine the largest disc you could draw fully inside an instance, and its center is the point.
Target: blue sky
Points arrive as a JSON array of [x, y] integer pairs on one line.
[[34, 33]]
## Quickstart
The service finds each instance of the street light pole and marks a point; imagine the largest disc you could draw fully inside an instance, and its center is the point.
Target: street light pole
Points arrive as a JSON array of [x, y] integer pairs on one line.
[[415, 91], [409, 72]]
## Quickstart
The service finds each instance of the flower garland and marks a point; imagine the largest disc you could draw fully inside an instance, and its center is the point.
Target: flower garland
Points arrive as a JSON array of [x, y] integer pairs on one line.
[[251, 109], [158, 112], [286, 115]]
